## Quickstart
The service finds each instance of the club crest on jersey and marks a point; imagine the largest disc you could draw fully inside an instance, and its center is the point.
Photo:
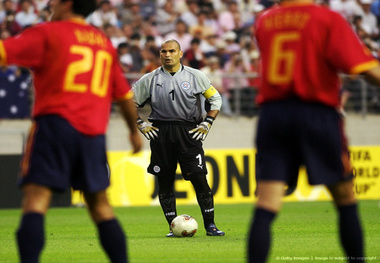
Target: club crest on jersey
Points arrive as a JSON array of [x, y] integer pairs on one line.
[[156, 169], [185, 85]]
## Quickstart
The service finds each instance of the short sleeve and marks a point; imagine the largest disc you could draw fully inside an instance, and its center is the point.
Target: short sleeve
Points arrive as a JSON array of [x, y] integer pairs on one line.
[[25, 49], [203, 81], [141, 89], [345, 50]]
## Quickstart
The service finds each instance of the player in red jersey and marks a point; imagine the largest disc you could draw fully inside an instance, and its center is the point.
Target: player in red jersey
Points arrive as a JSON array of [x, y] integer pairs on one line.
[[76, 76], [303, 48]]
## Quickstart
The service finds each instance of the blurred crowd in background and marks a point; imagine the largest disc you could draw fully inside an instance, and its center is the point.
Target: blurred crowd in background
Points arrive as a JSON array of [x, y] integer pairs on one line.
[[215, 36]]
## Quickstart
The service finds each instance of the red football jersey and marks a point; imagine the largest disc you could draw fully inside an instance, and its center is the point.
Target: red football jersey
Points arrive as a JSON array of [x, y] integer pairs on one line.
[[303, 49], [76, 72]]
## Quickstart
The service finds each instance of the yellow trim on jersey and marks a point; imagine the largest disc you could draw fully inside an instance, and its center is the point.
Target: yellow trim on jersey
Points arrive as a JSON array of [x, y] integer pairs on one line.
[[77, 20], [127, 96], [364, 67], [3, 55], [130, 95], [296, 2], [209, 93]]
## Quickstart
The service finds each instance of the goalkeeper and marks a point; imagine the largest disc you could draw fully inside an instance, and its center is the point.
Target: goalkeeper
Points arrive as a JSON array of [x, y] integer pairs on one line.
[[176, 129]]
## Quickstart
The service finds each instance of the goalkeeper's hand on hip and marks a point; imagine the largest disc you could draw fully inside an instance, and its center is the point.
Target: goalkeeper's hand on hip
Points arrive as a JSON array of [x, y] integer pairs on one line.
[[201, 131], [147, 129]]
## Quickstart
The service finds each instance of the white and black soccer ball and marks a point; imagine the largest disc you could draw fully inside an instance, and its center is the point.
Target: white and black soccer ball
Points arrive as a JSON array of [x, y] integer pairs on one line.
[[184, 226]]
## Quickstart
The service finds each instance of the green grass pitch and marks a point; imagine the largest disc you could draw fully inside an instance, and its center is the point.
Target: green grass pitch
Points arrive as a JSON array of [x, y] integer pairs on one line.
[[304, 231]]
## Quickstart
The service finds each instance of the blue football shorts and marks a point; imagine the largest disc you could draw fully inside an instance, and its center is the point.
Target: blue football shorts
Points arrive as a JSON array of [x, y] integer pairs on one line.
[[58, 156], [293, 133], [175, 145]]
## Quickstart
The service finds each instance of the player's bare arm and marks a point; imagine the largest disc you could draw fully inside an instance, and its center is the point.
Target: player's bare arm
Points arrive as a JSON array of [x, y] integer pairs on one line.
[[129, 114], [373, 75]]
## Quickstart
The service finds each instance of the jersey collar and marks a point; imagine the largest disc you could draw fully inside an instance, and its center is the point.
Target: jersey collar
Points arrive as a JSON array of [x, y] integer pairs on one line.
[[76, 20], [167, 72]]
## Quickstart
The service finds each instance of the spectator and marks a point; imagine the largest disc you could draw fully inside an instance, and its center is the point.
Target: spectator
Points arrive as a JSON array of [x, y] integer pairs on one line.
[[212, 21], [147, 9], [201, 26], [132, 17], [357, 25], [190, 16], [32, 8], [194, 57], [150, 43], [44, 15], [369, 20], [208, 45], [256, 10], [40, 5], [227, 18], [198, 34], [221, 52], [248, 48], [181, 34], [239, 26], [148, 31], [375, 9], [104, 14], [181, 6], [364, 35], [215, 74], [124, 10], [26, 16], [128, 31], [2, 11], [347, 8], [7, 6], [242, 94], [125, 57], [151, 59], [254, 67], [231, 45], [4, 34], [9, 22], [219, 5], [207, 6], [235, 66], [114, 34], [135, 51], [166, 18], [246, 8]]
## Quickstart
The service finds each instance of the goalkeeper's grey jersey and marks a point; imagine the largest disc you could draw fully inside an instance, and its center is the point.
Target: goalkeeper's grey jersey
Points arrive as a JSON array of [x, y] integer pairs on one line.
[[177, 97]]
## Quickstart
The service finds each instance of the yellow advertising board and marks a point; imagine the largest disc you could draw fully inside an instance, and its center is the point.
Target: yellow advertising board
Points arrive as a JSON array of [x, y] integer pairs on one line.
[[231, 175]]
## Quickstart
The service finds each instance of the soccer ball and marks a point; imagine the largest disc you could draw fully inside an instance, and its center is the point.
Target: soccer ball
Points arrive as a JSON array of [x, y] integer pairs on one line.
[[184, 226]]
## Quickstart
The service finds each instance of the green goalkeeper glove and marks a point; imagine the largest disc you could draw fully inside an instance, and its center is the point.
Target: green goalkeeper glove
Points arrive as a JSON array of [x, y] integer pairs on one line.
[[201, 131], [147, 129]]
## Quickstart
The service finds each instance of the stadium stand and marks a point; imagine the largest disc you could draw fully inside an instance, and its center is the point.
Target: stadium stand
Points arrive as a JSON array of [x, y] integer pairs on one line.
[[138, 28]]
